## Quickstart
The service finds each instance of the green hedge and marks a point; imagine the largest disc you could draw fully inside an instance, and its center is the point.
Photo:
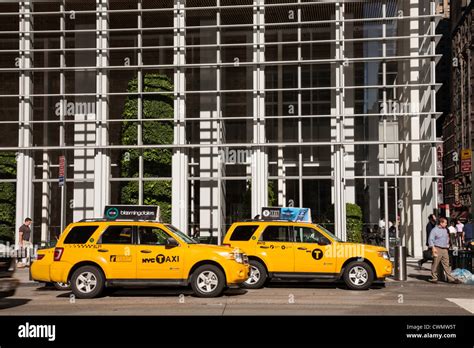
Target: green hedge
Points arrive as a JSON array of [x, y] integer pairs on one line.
[[157, 162], [7, 196]]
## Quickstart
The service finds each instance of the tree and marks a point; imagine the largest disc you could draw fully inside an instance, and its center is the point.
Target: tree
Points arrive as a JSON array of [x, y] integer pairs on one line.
[[7, 196], [157, 162], [353, 221]]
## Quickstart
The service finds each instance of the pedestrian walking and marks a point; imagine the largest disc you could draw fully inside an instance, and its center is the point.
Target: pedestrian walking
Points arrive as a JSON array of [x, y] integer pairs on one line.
[[24, 237], [452, 235], [468, 233], [459, 233], [439, 242], [427, 254]]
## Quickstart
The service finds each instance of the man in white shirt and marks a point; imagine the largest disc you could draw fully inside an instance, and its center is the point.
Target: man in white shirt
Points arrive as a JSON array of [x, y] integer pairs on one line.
[[459, 232], [452, 234]]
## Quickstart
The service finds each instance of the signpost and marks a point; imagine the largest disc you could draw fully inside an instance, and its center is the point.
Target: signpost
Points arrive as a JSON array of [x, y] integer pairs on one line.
[[466, 161], [61, 179]]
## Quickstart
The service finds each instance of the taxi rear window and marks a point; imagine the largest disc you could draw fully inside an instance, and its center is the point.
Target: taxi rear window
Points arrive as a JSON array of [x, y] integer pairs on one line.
[[243, 233], [80, 234]]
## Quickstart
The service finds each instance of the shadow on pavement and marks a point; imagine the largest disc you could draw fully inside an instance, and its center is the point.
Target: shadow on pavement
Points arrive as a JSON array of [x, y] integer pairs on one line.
[[13, 302], [150, 292], [420, 277], [315, 285]]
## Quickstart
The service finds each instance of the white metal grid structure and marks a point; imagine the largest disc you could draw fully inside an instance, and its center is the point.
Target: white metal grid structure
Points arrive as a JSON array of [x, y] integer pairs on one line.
[[333, 101]]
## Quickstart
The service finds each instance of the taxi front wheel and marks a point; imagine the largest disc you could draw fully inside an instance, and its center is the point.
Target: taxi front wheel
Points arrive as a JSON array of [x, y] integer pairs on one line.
[[358, 275], [258, 276], [208, 281], [87, 282]]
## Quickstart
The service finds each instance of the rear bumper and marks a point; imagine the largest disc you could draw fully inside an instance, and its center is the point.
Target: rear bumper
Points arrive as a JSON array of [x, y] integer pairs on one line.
[[8, 286], [39, 271]]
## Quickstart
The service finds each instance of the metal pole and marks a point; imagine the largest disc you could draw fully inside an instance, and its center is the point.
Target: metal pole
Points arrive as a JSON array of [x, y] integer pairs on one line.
[[385, 199]]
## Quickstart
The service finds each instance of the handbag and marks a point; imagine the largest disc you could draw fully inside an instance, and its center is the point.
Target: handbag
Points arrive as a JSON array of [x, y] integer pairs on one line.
[[428, 254]]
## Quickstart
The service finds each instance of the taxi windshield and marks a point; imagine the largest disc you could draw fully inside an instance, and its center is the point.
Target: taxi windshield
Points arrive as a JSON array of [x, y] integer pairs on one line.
[[181, 235], [329, 233]]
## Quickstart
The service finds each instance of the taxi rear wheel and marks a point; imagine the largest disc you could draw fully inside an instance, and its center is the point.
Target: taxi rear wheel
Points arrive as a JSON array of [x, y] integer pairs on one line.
[[208, 281], [87, 282], [358, 275], [258, 276]]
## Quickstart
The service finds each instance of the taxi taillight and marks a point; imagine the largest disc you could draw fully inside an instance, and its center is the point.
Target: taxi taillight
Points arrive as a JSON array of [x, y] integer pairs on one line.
[[39, 256], [225, 244], [58, 252]]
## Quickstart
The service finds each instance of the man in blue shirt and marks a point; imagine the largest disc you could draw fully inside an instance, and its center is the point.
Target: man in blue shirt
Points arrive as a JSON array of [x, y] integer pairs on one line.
[[439, 243]]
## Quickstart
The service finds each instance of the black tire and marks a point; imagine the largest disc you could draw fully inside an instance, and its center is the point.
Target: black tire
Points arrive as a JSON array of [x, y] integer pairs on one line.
[[62, 286], [212, 273], [262, 276], [358, 275], [94, 291]]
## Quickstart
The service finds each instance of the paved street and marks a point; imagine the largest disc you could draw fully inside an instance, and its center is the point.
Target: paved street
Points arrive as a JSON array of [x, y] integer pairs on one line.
[[414, 297]]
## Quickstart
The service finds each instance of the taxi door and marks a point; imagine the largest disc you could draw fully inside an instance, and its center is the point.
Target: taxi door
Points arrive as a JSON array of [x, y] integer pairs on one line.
[[156, 258], [313, 252], [116, 252], [275, 247]]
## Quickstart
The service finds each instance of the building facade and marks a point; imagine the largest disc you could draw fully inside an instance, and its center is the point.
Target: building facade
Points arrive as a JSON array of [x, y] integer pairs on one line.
[[458, 128], [213, 109]]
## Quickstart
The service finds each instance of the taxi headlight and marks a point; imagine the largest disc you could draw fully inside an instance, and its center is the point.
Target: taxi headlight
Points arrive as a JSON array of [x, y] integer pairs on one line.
[[384, 254]]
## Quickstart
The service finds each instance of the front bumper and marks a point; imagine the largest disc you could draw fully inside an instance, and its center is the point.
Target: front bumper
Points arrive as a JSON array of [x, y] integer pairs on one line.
[[8, 286], [236, 273], [384, 269]]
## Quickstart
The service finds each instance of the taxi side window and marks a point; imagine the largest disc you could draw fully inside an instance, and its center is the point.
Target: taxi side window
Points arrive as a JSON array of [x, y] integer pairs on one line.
[[152, 236], [276, 234], [310, 235], [117, 235]]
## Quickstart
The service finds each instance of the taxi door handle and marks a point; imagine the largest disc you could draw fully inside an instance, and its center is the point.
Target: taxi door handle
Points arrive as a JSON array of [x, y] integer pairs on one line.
[[264, 247], [145, 251], [103, 250], [300, 248]]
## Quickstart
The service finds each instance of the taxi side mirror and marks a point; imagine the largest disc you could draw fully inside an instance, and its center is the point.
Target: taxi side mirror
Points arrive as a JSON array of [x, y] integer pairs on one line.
[[171, 243]]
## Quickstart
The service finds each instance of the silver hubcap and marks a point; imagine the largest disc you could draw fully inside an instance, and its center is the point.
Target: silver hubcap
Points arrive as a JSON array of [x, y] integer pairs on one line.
[[358, 275], [86, 282], [207, 281], [254, 276]]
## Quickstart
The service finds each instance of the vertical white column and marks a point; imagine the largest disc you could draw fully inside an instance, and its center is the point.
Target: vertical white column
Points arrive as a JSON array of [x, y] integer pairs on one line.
[[25, 163], [259, 156], [280, 152], [337, 127], [348, 101], [179, 166], [45, 186], [415, 100], [101, 160]]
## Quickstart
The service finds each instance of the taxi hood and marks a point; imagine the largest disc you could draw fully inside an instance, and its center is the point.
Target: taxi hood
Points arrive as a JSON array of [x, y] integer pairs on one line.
[[217, 248]]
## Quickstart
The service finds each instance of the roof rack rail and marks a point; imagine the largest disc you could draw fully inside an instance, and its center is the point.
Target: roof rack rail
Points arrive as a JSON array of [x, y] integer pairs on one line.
[[115, 220], [268, 220], [92, 220]]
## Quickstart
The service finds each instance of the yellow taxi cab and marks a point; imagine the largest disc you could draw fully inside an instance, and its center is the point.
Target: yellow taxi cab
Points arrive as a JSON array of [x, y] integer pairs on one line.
[[98, 253], [303, 250]]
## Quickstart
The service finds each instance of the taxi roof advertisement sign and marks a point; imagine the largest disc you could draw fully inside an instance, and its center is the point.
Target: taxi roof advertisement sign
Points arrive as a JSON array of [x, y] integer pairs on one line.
[[132, 212], [286, 213]]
